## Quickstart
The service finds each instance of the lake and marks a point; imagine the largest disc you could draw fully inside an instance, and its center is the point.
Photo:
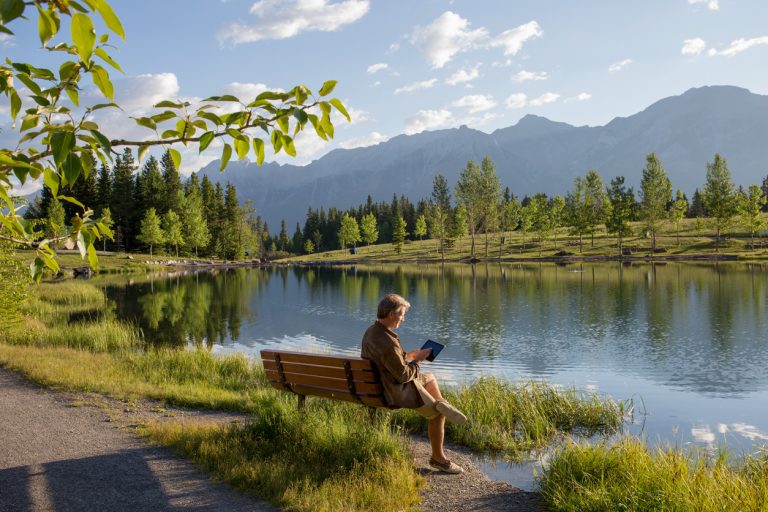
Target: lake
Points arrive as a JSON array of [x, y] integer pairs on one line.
[[685, 341]]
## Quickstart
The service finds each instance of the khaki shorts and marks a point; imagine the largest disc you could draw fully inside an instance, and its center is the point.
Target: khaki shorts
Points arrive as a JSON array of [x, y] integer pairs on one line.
[[427, 410]]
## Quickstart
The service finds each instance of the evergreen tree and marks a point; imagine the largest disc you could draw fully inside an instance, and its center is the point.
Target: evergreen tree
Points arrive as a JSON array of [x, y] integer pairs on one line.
[[656, 193], [297, 242], [697, 208], [172, 228], [720, 195], [150, 232], [621, 202], [172, 181], [103, 189], [122, 201], [150, 188], [764, 187], [399, 234], [84, 190], [283, 240], [309, 247]]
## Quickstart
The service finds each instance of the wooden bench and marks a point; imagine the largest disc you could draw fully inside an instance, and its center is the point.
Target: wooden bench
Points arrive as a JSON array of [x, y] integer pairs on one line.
[[351, 379]]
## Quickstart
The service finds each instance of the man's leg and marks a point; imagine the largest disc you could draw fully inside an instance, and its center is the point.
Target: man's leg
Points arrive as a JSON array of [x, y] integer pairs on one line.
[[436, 425]]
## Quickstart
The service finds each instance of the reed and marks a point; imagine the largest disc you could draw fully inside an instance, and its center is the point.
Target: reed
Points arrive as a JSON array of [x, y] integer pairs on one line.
[[628, 475]]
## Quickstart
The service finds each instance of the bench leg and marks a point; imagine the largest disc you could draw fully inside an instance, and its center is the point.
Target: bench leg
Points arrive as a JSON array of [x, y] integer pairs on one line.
[[302, 402]]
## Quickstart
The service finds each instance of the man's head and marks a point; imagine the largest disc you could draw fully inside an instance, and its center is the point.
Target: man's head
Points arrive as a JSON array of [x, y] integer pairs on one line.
[[392, 309]]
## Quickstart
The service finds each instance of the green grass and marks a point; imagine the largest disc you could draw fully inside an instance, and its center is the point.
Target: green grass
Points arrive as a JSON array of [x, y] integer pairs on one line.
[[326, 460], [516, 418], [630, 476]]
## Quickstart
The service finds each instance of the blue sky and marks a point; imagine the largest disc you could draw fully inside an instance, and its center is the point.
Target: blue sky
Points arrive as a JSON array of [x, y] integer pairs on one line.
[[406, 66]]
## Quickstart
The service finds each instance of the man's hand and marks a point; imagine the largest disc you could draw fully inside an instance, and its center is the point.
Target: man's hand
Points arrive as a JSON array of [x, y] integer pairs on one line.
[[418, 355]]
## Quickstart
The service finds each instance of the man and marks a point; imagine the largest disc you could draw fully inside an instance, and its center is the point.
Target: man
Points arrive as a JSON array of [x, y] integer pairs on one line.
[[405, 385]]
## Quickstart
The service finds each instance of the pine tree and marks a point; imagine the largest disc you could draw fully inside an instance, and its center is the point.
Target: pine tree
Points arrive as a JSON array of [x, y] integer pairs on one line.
[[297, 242], [84, 190], [283, 241], [172, 182], [103, 189], [55, 224], [150, 187], [122, 204], [399, 233]]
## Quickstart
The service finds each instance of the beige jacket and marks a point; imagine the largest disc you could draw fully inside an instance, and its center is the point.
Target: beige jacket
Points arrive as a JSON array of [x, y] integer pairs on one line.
[[382, 346]]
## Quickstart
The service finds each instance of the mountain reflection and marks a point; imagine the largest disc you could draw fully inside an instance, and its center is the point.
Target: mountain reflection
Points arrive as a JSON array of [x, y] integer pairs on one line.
[[694, 327]]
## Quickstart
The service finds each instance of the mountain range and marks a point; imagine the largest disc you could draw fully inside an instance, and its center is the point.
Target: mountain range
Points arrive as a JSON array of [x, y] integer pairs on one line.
[[534, 155]]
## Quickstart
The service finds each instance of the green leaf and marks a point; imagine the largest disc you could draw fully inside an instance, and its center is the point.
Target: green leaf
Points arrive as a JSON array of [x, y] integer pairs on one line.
[[170, 134], [282, 122], [288, 145], [46, 27], [15, 104], [93, 260], [21, 173], [146, 122], [72, 200], [325, 107], [84, 37], [226, 97], [226, 154], [176, 157], [43, 102], [325, 123], [317, 126], [103, 141], [61, 145], [340, 107], [210, 116], [74, 96], [168, 104], [101, 79], [110, 19], [143, 151], [27, 80], [36, 269], [328, 87], [277, 141], [241, 147], [4, 197], [51, 180], [106, 58], [301, 94], [29, 121], [11, 9], [235, 134], [99, 106], [258, 148], [81, 243], [89, 125], [163, 116], [205, 140], [71, 169]]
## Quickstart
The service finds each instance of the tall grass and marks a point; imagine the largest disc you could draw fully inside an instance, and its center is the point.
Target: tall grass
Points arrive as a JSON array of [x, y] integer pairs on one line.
[[328, 460], [632, 477], [515, 418]]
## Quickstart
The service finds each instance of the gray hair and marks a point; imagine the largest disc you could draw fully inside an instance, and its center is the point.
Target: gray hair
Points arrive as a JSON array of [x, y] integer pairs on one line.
[[391, 302]]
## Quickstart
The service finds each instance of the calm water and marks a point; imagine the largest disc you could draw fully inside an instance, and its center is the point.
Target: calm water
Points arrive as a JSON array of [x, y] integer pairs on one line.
[[686, 341]]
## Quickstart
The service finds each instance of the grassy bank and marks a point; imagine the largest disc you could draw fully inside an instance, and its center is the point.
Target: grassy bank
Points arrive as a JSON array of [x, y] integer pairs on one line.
[[328, 459], [633, 477]]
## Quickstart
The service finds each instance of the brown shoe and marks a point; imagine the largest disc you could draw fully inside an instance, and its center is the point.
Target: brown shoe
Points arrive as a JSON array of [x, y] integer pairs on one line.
[[446, 467], [452, 414]]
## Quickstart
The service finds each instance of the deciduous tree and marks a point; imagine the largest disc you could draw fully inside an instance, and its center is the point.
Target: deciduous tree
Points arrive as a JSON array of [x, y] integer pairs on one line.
[[655, 194], [719, 196]]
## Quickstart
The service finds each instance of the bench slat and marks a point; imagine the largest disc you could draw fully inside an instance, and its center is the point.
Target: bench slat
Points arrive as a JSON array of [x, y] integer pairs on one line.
[[373, 401], [356, 363], [322, 371], [325, 382]]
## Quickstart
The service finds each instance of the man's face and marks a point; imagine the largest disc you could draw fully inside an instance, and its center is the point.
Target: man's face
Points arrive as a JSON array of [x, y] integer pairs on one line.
[[398, 317]]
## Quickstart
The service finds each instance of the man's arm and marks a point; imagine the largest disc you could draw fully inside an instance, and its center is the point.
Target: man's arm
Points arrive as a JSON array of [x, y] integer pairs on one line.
[[392, 359]]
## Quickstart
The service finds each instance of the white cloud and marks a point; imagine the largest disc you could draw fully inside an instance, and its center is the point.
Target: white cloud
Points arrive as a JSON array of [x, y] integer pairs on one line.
[[512, 40], [739, 46], [282, 19], [427, 120], [475, 103], [475, 121], [693, 46], [613, 68], [137, 94], [7, 40], [393, 48], [416, 86], [524, 76], [445, 37], [463, 76], [371, 139], [547, 97], [712, 5], [518, 100], [375, 68], [356, 116], [584, 96]]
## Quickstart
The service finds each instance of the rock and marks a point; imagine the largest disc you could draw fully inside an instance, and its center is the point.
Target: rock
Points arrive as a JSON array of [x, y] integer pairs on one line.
[[82, 272]]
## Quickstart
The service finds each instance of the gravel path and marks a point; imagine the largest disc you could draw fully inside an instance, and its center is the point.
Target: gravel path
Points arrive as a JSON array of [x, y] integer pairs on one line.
[[64, 451]]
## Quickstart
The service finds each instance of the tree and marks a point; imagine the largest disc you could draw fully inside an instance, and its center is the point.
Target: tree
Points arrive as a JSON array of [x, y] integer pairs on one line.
[[595, 202], [171, 185], [526, 221], [764, 188], [440, 212], [469, 194], [369, 228], [173, 230], [719, 195], [194, 225], [122, 200], [58, 144], [283, 239], [151, 233], [297, 241], [655, 193], [578, 210], [490, 191], [677, 212], [621, 200], [309, 247], [557, 209], [421, 227], [150, 187], [510, 217], [55, 223], [349, 233], [103, 189], [106, 220], [541, 217], [399, 234], [750, 209]]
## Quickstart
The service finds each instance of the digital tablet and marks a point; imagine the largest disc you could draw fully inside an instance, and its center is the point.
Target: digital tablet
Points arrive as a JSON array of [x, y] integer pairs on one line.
[[436, 348]]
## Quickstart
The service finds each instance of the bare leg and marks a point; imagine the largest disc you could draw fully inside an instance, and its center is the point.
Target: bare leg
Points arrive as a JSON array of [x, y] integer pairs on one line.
[[436, 425]]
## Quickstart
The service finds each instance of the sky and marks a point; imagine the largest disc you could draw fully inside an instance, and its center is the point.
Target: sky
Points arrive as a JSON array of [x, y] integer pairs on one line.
[[405, 66]]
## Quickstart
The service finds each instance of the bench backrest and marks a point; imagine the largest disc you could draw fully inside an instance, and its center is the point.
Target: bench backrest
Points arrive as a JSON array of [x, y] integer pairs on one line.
[[352, 379]]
